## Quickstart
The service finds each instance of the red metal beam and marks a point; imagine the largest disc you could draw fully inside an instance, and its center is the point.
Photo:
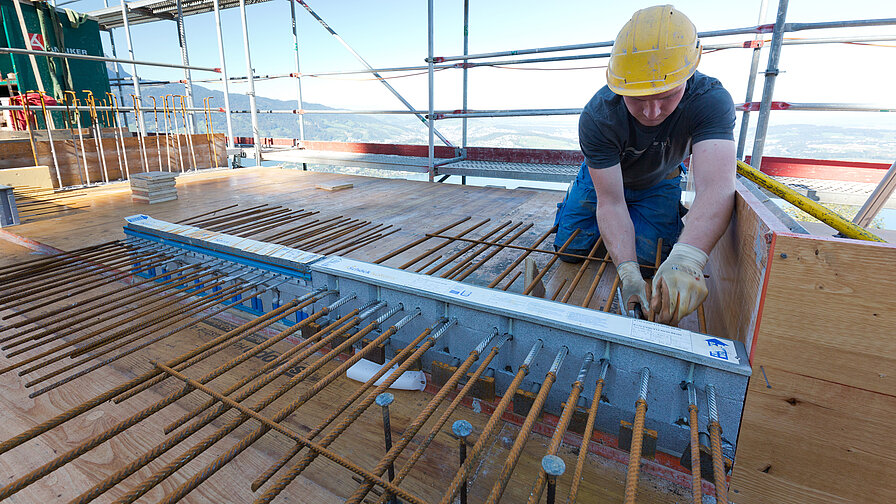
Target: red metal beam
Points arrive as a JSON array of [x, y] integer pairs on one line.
[[849, 171]]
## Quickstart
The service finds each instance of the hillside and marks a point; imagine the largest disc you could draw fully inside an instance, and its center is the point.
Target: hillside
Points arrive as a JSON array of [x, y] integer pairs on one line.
[[560, 132]]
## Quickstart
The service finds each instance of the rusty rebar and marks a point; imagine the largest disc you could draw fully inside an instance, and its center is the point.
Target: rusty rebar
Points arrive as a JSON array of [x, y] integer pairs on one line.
[[316, 341], [297, 469], [634, 458], [294, 216], [63, 256], [589, 428], [311, 239], [352, 238], [572, 402], [529, 249], [300, 228], [88, 278], [195, 217], [185, 361], [696, 479], [414, 427], [448, 240], [245, 442], [367, 241], [418, 242], [223, 227], [274, 219], [582, 268], [521, 258], [195, 355], [207, 302], [500, 248], [71, 326], [191, 429], [152, 324], [510, 282], [715, 439], [457, 268], [77, 351], [53, 326], [280, 364], [57, 263], [197, 221], [311, 229], [255, 324], [550, 263], [521, 438], [317, 448], [460, 478], [365, 237], [80, 306], [463, 250], [45, 320], [51, 274]]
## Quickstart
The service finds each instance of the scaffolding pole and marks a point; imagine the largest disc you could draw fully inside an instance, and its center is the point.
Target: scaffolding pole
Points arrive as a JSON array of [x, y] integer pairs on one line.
[[751, 85], [224, 78], [370, 68], [295, 41], [188, 87], [466, 51], [117, 67], [11, 50], [141, 128], [253, 106], [768, 89], [430, 122]]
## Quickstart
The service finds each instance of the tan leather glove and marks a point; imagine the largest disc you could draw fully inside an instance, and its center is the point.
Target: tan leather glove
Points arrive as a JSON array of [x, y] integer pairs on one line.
[[634, 288], [679, 287]]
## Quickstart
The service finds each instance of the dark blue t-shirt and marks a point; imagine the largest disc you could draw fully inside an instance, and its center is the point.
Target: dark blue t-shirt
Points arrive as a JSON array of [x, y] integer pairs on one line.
[[610, 135]]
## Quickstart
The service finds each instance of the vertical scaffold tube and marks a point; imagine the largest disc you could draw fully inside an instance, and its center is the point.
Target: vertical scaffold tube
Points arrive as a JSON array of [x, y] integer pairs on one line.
[[634, 460]]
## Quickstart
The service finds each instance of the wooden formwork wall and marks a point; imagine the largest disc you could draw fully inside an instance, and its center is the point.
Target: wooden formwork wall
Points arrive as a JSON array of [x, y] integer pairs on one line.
[[16, 154], [820, 412], [819, 318]]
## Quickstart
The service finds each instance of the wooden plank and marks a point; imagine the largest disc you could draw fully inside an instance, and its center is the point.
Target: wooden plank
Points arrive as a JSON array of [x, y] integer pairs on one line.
[[334, 186], [825, 344]]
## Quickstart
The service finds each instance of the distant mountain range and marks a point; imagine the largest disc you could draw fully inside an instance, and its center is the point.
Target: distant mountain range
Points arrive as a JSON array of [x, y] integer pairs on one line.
[[556, 132]]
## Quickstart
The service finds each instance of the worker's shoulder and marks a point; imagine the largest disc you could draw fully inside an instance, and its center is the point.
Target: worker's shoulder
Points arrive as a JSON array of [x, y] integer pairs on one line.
[[702, 88], [604, 105]]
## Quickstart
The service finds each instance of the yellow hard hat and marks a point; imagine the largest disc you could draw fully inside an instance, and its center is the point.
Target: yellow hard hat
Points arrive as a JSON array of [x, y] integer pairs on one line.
[[657, 50]]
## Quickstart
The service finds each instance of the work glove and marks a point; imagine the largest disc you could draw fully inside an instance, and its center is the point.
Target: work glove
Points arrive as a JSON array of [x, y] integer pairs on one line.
[[678, 286], [634, 288]]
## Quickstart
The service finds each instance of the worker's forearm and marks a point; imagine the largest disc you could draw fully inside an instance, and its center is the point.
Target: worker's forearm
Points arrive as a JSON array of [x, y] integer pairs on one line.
[[707, 219], [616, 228]]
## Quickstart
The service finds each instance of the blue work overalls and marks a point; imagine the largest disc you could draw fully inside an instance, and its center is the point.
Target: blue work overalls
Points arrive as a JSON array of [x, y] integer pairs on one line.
[[654, 212]]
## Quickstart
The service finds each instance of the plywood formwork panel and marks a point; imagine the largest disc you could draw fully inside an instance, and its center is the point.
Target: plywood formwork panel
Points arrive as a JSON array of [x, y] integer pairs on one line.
[[822, 400], [736, 269]]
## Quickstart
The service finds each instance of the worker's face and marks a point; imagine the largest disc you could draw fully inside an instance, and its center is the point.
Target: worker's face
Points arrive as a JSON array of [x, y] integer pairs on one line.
[[651, 110]]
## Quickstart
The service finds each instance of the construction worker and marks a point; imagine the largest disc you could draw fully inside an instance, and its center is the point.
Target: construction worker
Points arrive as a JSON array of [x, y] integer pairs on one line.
[[654, 112]]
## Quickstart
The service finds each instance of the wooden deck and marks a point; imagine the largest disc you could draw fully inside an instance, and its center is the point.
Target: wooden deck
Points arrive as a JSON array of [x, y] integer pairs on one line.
[[416, 207]]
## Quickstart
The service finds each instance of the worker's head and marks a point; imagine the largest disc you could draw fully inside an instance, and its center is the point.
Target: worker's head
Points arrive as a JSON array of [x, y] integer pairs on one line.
[[654, 55]]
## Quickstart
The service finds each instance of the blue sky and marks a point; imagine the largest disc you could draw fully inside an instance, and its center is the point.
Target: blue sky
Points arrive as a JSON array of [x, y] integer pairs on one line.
[[393, 33]]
